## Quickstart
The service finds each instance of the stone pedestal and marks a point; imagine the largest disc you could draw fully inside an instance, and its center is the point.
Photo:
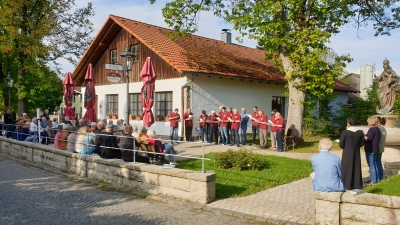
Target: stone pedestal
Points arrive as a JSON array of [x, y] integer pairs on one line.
[[392, 121]]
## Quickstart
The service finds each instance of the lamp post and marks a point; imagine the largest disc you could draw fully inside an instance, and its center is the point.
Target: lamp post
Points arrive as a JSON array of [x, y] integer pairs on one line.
[[9, 83], [127, 58]]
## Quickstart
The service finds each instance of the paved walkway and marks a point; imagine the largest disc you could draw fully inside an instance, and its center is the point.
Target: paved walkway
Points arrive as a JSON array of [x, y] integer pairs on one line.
[[32, 196], [293, 202]]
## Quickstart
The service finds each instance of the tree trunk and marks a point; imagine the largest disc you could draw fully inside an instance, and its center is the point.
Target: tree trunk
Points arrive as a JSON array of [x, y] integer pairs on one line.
[[296, 99]]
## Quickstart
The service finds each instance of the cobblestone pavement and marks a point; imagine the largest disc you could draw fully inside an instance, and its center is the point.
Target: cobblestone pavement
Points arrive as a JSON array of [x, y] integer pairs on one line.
[[29, 195]]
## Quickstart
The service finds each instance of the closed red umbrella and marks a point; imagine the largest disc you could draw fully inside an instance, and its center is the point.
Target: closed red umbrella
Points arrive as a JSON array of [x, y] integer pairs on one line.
[[90, 95], [69, 87], [148, 76]]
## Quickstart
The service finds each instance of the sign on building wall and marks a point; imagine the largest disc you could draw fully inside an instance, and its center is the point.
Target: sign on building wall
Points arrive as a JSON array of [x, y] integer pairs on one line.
[[113, 76]]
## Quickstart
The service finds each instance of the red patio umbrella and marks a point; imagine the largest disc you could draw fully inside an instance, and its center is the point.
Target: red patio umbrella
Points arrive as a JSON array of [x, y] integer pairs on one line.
[[69, 87], [148, 76], [90, 95]]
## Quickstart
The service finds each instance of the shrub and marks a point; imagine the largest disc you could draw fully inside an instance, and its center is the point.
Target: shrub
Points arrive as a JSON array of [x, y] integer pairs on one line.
[[239, 160]]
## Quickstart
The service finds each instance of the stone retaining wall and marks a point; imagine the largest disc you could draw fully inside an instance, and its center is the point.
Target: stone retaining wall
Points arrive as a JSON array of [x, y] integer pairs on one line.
[[345, 208], [179, 183]]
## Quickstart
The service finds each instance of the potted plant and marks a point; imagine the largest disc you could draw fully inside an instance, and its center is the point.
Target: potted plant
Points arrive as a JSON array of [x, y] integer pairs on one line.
[[114, 116], [132, 117], [139, 117], [159, 118], [166, 118], [108, 116]]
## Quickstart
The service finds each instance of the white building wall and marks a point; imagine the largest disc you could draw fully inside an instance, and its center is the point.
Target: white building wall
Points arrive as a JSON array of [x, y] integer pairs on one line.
[[161, 127], [208, 93]]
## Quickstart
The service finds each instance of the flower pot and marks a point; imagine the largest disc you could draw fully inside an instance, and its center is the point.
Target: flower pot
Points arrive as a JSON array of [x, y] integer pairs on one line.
[[108, 117], [114, 117], [166, 119], [131, 118], [159, 118], [139, 118]]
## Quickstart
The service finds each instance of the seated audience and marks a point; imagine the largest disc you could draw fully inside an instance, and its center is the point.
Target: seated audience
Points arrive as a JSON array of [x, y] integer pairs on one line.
[[55, 123], [128, 143], [80, 137], [90, 140], [143, 134], [121, 124], [81, 123], [108, 144], [49, 129], [135, 131], [100, 127], [159, 147], [57, 138], [72, 139], [25, 118], [64, 137], [67, 121], [33, 129], [327, 169], [42, 127], [24, 131]]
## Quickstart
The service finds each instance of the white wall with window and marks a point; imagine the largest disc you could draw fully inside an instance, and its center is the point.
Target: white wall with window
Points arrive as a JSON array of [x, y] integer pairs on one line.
[[167, 96], [209, 93]]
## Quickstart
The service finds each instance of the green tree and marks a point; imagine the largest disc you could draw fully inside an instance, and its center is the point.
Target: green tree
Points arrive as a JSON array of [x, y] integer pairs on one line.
[[38, 32], [294, 33]]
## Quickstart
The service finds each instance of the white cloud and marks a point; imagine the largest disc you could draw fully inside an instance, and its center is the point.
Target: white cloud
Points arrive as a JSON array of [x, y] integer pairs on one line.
[[367, 50]]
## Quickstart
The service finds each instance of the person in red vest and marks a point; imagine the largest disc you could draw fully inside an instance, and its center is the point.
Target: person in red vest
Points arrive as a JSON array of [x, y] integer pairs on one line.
[[262, 120], [235, 125], [174, 119], [203, 125], [255, 126], [228, 127], [279, 124], [188, 117], [213, 120], [272, 130], [224, 126]]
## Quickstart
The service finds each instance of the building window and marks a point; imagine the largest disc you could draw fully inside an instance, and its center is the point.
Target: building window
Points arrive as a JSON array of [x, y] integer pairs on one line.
[[163, 103], [114, 56], [278, 103], [135, 104], [135, 51], [112, 104]]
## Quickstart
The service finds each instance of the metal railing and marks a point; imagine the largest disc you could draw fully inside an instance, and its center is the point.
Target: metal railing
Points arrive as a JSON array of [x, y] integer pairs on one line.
[[37, 138]]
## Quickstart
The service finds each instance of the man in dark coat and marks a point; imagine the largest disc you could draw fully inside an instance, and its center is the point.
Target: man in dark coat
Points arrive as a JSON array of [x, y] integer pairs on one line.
[[351, 140], [108, 144], [126, 142]]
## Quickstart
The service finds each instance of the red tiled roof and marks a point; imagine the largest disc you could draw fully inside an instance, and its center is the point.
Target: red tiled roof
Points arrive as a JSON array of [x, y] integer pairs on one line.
[[196, 54]]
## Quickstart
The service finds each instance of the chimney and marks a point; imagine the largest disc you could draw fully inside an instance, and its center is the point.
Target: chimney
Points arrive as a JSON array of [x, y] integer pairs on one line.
[[226, 36]]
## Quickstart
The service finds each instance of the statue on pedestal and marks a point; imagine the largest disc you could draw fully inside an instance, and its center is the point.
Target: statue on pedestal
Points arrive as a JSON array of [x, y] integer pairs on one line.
[[388, 82]]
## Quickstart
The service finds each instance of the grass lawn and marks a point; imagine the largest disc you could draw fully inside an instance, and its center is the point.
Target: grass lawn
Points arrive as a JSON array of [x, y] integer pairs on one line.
[[233, 183], [389, 186]]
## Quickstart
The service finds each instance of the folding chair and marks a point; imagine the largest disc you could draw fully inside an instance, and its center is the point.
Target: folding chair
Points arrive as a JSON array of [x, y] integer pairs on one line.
[[289, 137]]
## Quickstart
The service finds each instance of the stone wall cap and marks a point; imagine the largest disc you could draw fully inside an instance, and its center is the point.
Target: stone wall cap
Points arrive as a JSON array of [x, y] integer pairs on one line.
[[372, 200], [328, 196]]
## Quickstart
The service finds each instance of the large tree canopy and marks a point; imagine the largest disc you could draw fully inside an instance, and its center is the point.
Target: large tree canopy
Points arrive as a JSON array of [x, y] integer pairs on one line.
[[294, 33], [38, 32]]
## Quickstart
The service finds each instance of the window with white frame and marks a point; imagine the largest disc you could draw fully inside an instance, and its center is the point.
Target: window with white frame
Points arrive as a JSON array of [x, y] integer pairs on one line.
[[163, 105], [112, 104]]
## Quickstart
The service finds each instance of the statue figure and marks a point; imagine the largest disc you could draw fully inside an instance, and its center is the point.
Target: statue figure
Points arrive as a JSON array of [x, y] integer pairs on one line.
[[388, 82]]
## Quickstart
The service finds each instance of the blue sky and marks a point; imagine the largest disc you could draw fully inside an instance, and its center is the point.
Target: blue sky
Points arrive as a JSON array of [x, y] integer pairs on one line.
[[364, 48]]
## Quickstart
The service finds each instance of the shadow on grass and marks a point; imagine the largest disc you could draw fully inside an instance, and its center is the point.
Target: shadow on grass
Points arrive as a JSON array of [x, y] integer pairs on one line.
[[375, 190]]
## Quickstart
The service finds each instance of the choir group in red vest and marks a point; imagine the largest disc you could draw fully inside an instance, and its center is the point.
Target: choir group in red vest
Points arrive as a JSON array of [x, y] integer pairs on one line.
[[229, 127]]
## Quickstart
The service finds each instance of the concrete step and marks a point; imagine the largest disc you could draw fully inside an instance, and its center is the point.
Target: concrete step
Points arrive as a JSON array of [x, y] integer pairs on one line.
[[392, 165]]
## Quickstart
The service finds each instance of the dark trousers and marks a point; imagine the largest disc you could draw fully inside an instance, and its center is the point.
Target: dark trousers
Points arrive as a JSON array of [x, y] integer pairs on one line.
[[279, 135], [203, 131], [256, 130], [188, 133], [235, 137], [213, 131]]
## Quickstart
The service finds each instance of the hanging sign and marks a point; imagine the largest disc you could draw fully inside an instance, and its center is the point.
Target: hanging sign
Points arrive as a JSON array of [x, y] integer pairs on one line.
[[113, 77], [113, 67]]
